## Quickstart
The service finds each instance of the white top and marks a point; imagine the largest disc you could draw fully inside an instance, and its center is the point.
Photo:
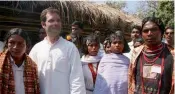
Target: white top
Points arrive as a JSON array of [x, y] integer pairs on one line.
[[87, 72], [1, 46], [59, 67], [18, 77], [131, 45]]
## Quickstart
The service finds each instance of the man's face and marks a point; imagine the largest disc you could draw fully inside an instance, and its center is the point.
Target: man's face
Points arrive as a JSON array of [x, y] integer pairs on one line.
[[151, 34], [135, 33], [169, 35], [52, 25], [76, 30]]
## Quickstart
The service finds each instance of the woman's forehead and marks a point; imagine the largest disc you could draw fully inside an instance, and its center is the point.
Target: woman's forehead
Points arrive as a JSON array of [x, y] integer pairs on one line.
[[16, 38], [93, 42], [117, 39]]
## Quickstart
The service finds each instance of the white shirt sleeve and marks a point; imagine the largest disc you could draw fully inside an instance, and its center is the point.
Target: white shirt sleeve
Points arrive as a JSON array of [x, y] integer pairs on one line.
[[77, 85], [32, 54]]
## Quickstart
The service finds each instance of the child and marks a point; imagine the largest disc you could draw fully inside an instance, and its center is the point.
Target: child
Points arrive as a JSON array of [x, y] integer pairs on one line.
[[138, 42], [106, 46], [90, 61], [113, 68]]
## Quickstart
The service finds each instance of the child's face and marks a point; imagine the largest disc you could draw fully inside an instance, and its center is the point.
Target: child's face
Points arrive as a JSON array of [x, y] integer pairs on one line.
[[108, 48], [93, 49], [117, 46]]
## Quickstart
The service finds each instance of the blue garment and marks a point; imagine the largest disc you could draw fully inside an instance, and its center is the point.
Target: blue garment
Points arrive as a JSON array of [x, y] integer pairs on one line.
[[112, 77]]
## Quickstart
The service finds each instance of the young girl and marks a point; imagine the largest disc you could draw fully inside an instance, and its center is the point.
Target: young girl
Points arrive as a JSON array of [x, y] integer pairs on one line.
[[113, 68], [106, 46], [90, 62]]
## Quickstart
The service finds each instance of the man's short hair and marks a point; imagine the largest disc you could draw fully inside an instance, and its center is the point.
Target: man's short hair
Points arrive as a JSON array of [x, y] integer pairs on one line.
[[169, 27], [45, 11], [137, 27], [78, 23]]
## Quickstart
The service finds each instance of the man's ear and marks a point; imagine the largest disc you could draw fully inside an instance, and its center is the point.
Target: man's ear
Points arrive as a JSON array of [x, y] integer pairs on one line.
[[43, 24]]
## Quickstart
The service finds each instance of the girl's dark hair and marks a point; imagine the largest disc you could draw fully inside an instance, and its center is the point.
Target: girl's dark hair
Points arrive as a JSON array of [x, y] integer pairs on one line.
[[20, 32], [120, 35], [89, 39], [139, 40], [155, 20], [137, 27], [106, 42]]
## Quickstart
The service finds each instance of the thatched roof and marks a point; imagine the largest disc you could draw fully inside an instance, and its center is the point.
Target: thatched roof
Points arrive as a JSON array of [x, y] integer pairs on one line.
[[26, 14], [96, 15]]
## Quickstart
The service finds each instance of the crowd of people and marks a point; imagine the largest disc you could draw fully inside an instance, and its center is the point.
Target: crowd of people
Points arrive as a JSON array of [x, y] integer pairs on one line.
[[77, 65]]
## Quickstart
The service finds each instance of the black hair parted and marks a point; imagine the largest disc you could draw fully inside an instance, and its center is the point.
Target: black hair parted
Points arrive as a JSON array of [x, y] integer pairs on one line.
[[136, 27], [88, 40], [20, 32], [119, 34], [106, 42], [155, 20]]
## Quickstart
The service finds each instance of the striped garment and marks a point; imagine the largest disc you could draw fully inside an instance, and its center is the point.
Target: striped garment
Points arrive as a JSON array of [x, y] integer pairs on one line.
[[7, 84], [131, 75]]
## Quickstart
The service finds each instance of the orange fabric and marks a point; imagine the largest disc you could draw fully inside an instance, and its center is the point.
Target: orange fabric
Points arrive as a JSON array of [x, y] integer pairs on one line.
[[68, 37], [94, 73], [7, 84]]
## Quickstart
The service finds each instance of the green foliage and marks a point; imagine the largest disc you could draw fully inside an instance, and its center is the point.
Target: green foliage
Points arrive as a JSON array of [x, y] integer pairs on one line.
[[162, 9], [116, 4], [146, 8], [165, 11]]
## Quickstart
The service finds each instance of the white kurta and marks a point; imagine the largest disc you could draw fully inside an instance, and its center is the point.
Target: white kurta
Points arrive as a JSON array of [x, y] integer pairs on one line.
[[131, 45], [87, 72], [1, 46], [112, 77], [59, 67]]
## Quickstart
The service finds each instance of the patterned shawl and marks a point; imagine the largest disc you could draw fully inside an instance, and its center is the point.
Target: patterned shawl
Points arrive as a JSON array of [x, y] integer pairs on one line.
[[131, 74], [7, 84]]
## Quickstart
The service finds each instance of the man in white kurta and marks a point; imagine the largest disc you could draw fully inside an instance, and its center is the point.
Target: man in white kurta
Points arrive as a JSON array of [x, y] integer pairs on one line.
[[58, 60], [60, 70]]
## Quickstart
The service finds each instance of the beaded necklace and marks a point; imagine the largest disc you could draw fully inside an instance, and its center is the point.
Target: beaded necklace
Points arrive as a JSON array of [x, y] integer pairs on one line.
[[143, 57]]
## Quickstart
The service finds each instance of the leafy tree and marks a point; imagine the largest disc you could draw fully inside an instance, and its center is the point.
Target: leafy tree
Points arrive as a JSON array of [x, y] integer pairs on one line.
[[116, 4], [165, 11], [146, 8], [161, 9]]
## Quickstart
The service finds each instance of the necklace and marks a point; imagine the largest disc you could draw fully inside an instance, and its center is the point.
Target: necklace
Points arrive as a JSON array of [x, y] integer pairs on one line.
[[141, 74], [154, 54]]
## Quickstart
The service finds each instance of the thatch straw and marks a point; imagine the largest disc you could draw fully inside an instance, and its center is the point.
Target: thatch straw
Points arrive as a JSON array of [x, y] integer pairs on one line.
[[95, 15]]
